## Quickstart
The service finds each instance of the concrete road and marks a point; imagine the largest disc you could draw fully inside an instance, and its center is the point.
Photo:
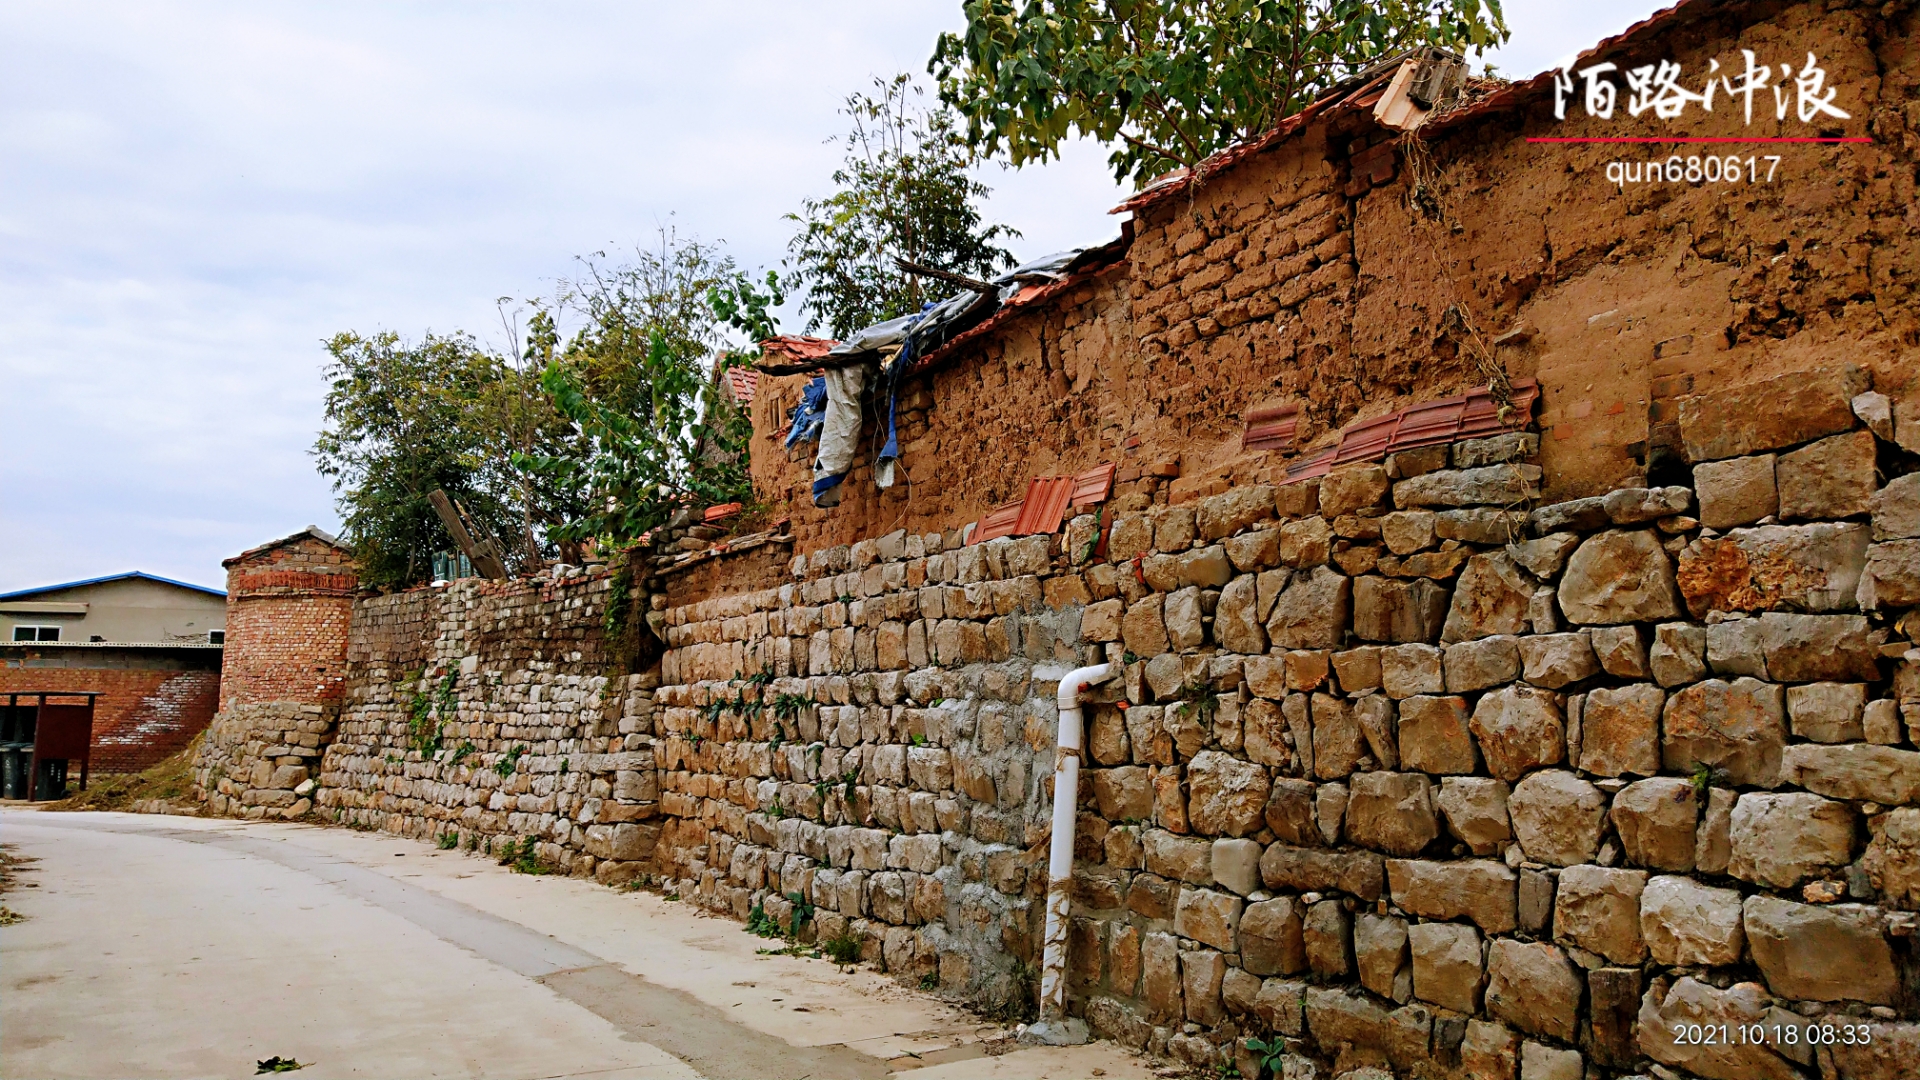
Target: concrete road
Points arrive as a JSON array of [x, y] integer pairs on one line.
[[179, 947]]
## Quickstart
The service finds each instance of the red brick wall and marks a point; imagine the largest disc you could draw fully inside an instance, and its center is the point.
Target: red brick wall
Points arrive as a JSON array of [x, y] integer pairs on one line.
[[288, 607], [142, 717]]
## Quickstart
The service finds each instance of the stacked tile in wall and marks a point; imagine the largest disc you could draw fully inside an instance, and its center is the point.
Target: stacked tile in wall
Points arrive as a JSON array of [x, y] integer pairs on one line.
[[486, 712], [1404, 771]]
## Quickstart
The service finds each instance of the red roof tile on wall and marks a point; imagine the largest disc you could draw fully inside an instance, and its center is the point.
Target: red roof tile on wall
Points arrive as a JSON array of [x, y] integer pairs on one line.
[[1045, 505], [1271, 428], [1092, 487], [1471, 415], [997, 523]]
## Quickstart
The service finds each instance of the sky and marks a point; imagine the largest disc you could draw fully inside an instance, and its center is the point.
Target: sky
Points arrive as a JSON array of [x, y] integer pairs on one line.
[[194, 196]]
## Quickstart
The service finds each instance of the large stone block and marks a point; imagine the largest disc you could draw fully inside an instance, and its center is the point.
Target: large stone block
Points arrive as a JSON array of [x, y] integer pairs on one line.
[[1813, 567], [1475, 810], [1237, 622], [1811, 953], [1668, 1012], [1434, 737], [1263, 734], [1892, 861], [1772, 414], [1289, 812], [1891, 578], [1833, 478], [1534, 988], [1519, 728], [1311, 613], [1306, 542], [1739, 491], [1688, 924], [1407, 531], [1327, 933], [1597, 908], [1209, 917], [1857, 771], [1656, 820], [1490, 598], [1896, 509], [1144, 629], [1270, 937], [1447, 969], [1481, 526], [1619, 577], [1733, 648], [1338, 741], [1236, 865], [1183, 619], [1491, 485], [1160, 969], [1810, 648], [1740, 727], [1391, 812], [1407, 670], [1234, 510], [1482, 662], [1351, 488], [1620, 730], [1479, 889], [1557, 817], [1380, 955], [1557, 660], [1620, 650], [1827, 712], [1546, 557], [1496, 449], [1225, 795], [1299, 869], [1396, 610], [1781, 840], [1679, 654]]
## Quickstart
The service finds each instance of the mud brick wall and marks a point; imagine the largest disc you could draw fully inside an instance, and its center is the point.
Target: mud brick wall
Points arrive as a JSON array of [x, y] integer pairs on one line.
[[1295, 276], [1405, 769], [490, 711]]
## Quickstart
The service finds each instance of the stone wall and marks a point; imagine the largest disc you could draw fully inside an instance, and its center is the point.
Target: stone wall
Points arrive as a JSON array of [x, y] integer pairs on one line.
[[1405, 768], [494, 712]]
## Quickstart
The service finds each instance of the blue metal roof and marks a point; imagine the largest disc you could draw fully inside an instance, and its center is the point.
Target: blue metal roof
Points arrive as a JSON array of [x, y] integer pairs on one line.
[[18, 593]]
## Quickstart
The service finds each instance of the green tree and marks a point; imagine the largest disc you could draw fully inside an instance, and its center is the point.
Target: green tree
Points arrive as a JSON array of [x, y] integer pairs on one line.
[[1171, 81], [639, 385], [903, 189], [402, 419]]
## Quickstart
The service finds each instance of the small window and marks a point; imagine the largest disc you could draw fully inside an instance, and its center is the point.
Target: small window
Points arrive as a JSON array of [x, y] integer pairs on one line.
[[216, 637], [36, 633]]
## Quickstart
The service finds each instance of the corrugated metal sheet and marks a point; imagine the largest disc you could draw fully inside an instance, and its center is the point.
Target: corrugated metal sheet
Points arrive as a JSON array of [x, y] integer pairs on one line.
[[997, 523], [1092, 487], [1271, 428], [1045, 505]]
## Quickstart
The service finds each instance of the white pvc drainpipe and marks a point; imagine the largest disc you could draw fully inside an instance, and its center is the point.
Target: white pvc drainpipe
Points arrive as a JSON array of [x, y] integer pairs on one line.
[[1054, 1027]]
